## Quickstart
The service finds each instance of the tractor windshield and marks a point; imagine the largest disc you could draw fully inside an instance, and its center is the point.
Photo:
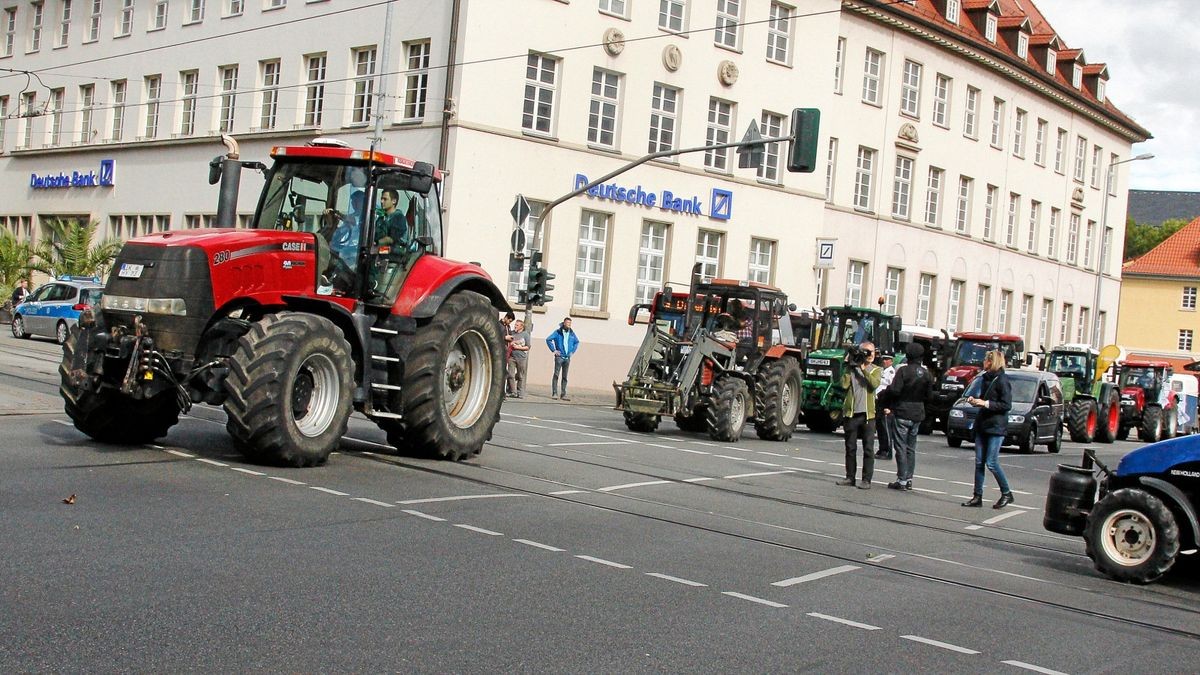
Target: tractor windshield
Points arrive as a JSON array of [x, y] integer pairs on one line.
[[841, 328], [1074, 363], [1142, 378], [971, 352]]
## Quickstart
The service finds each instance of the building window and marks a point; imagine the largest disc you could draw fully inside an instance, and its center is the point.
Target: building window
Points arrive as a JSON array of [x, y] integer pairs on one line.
[[314, 91], [614, 7], [839, 65], [1060, 151], [1064, 329], [416, 82], [830, 168], [671, 15], [118, 110], [971, 114], [189, 86], [1101, 322], [94, 21], [1081, 332], [26, 104], [779, 33], [1044, 326], [727, 31], [1019, 134], [892, 280], [924, 299], [1023, 318], [1073, 239], [933, 196], [664, 112], [652, 260], [863, 176], [1112, 175], [236, 7], [1077, 76], [1100, 86], [982, 300], [997, 123], [1022, 46], [1051, 60], [708, 253], [64, 24], [229, 76], [364, 85], [1080, 158], [1106, 246], [125, 20], [771, 127], [589, 260], [1014, 208], [1052, 234], [872, 69], [989, 30], [953, 8], [942, 90], [269, 111], [954, 306], [1089, 237], [196, 13], [35, 26], [153, 94], [1185, 339], [3, 119], [87, 103], [57, 99], [1097, 155], [160, 15], [762, 260], [1039, 143], [720, 126], [989, 213], [962, 215], [1005, 303], [602, 108], [1189, 298], [10, 31], [517, 280], [910, 89], [1035, 221], [855, 273]]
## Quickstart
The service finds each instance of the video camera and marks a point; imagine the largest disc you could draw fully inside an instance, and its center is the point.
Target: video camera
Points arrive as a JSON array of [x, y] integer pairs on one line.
[[855, 355]]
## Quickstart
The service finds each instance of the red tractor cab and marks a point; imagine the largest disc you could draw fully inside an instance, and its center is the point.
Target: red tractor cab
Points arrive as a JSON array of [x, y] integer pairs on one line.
[[964, 363], [1148, 403]]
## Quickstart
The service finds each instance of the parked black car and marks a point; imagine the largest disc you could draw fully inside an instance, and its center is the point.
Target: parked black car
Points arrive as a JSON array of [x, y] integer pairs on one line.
[[1036, 417]]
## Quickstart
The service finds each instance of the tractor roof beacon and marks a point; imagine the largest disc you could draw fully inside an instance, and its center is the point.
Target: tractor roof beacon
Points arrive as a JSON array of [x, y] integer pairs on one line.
[[316, 310]]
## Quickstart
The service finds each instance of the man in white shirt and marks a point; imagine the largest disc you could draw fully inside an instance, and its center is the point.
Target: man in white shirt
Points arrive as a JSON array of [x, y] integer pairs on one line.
[[884, 421]]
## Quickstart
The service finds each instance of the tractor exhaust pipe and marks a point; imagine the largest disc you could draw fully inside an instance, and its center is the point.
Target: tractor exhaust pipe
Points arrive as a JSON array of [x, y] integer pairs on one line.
[[228, 170]]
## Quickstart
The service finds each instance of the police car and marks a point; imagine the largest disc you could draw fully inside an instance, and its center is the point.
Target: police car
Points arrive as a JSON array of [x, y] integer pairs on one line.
[[54, 307]]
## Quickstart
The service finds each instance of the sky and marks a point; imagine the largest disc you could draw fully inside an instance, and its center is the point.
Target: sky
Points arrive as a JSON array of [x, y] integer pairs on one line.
[[1149, 46]]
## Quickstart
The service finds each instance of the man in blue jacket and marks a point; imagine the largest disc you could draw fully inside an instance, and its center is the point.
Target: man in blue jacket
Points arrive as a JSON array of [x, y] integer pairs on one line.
[[562, 342]]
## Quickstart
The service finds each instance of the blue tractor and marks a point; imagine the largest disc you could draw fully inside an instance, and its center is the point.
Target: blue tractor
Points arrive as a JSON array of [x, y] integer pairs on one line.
[[1136, 519]]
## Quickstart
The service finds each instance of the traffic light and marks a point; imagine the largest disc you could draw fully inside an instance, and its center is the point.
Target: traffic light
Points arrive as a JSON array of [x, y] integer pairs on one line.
[[538, 288], [802, 147]]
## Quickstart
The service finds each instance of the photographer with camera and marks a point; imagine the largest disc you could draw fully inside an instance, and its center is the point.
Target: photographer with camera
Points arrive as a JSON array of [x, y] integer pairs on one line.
[[860, 379]]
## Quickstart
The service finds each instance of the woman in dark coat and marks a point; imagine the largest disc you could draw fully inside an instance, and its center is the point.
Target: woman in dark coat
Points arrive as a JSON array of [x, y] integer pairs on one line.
[[991, 424]]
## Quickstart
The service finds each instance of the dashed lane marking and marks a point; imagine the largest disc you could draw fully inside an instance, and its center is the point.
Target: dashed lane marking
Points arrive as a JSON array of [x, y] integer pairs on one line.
[[602, 561], [760, 473], [736, 459], [1010, 514], [751, 598], [844, 622], [938, 644], [932, 492], [532, 445], [1036, 669], [480, 530], [431, 500], [567, 492], [289, 481], [880, 557], [376, 502], [178, 453], [694, 452], [668, 577], [211, 461], [247, 471], [544, 547], [772, 454], [426, 516], [328, 491], [659, 445], [697, 480], [632, 485], [815, 575], [63, 422], [761, 463], [564, 445]]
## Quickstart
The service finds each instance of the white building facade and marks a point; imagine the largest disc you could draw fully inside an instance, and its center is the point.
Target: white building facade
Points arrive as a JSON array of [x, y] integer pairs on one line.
[[951, 183]]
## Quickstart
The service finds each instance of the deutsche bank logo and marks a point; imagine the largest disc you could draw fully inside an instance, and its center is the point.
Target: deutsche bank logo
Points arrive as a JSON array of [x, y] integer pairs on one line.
[[722, 204], [108, 172]]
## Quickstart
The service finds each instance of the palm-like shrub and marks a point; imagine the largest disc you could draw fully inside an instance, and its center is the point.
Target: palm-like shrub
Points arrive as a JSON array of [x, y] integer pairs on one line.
[[68, 249]]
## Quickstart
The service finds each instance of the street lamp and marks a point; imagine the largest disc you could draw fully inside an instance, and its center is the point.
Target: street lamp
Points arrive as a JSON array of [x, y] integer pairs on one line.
[[1108, 184]]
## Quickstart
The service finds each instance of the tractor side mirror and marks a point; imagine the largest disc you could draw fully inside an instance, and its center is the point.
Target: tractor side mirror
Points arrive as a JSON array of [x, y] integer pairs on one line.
[[895, 323], [635, 310], [214, 170]]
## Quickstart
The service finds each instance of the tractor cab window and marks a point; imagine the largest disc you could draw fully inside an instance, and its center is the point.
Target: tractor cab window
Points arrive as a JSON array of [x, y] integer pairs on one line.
[[1075, 364], [838, 330], [971, 353], [407, 224], [1138, 377]]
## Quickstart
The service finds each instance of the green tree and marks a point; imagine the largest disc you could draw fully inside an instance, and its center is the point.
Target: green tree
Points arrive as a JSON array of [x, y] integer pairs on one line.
[[1141, 237], [16, 261], [68, 249]]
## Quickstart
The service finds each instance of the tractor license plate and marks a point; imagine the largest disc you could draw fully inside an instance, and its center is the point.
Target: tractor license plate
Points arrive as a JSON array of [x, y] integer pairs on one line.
[[685, 349], [130, 271]]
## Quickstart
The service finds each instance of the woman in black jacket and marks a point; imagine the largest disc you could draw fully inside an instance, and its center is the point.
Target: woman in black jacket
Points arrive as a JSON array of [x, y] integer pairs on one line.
[[991, 424]]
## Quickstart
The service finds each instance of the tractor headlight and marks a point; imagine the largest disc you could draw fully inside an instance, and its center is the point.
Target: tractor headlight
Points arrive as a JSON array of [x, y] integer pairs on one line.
[[126, 303], [1016, 419]]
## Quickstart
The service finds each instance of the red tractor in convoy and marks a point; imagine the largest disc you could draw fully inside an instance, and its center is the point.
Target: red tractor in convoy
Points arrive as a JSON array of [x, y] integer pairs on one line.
[[1147, 402], [320, 308], [961, 367]]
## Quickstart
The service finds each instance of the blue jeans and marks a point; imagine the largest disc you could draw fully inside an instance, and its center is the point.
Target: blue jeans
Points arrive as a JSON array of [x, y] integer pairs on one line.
[[561, 365], [904, 444], [987, 453]]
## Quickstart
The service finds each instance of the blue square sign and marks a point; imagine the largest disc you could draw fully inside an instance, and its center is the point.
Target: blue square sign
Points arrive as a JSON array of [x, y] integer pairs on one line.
[[722, 204]]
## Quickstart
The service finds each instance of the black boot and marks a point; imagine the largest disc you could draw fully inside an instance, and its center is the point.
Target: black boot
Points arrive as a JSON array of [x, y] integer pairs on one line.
[[976, 501], [1005, 500]]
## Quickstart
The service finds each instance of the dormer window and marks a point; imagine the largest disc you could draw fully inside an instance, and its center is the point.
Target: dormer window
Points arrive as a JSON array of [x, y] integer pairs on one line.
[[1051, 60], [1100, 91], [1077, 76], [952, 11], [1022, 46], [990, 31]]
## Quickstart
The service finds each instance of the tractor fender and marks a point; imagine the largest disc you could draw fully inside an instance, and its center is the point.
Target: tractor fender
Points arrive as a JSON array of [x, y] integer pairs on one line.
[[1180, 504], [779, 351], [429, 305]]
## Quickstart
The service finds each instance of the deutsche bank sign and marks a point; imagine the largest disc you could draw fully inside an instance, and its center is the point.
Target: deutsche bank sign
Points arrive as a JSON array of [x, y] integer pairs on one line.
[[105, 176], [720, 203]]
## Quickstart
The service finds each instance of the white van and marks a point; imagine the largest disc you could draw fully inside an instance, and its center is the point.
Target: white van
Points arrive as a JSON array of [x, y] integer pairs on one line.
[[1185, 386]]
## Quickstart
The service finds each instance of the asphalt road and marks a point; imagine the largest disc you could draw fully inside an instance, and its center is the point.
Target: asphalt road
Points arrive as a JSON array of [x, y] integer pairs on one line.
[[569, 545]]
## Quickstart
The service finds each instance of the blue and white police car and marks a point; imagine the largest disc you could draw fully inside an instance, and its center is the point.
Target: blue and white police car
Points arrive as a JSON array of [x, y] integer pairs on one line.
[[54, 307]]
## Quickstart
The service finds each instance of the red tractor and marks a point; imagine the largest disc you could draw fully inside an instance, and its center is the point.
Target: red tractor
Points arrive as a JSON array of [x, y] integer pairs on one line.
[[318, 309], [1148, 403], [962, 365]]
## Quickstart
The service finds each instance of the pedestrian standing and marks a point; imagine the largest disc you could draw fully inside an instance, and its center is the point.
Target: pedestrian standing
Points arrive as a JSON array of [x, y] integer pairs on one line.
[[562, 343], [858, 410], [884, 427], [911, 387], [506, 329], [519, 360], [991, 424], [20, 292]]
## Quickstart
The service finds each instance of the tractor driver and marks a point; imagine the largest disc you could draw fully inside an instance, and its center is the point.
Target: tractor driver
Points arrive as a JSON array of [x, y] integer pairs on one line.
[[391, 227]]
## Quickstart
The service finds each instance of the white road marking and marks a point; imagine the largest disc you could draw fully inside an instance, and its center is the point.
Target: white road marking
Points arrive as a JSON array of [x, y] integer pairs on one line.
[[796, 468], [328, 491], [426, 516], [959, 482], [761, 463], [917, 475], [632, 485], [751, 598], [480, 530], [697, 480], [289, 481], [211, 461], [736, 459], [64, 423], [1036, 669], [694, 452], [365, 441], [563, 445], [806, 459], [179, 453], [660, 445], [532, 445], [373, 501], [1010, 514], [772, 454], [252, 473], [847, 622], [602, 561], [815, 575], [677, 580], [711, 445], [932, 492], [880, 557], [973, 527], [568, 492], [760, 473], [156, 447], [942, 645], [545, 547], [431, 500]]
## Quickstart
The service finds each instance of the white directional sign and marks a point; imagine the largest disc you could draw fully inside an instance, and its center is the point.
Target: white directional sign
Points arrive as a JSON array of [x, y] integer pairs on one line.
[[520, 211], [825, 253]]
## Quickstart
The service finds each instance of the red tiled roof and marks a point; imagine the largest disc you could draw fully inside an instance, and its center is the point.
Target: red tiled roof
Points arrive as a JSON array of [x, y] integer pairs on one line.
[[1177, 256]]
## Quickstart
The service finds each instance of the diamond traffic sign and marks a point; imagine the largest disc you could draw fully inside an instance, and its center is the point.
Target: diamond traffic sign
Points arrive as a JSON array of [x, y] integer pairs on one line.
[[520, 211]]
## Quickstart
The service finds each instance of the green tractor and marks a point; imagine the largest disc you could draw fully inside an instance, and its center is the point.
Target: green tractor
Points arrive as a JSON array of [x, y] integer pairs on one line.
[[1093, 406], [841, 327]]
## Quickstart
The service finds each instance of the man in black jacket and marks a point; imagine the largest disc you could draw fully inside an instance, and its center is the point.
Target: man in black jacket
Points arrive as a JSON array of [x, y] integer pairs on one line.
[[906, 397]]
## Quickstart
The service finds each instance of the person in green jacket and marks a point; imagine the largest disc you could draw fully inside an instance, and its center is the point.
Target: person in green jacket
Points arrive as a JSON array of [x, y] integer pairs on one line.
[[860, 379]]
